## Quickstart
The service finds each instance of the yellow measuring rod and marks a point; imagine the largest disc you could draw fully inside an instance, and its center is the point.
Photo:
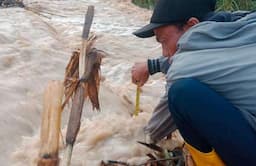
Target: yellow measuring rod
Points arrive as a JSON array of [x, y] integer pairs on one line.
[[137, 104]]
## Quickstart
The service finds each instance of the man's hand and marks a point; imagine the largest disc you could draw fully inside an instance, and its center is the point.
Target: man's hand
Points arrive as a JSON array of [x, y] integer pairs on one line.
[[140, 73]]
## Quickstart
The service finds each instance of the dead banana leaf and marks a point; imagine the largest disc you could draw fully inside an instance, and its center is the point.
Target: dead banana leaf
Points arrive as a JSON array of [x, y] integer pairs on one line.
[[91, 78]]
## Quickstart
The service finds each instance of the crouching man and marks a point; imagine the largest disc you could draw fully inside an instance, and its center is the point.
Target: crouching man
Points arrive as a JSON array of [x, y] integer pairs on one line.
[[210, 65]]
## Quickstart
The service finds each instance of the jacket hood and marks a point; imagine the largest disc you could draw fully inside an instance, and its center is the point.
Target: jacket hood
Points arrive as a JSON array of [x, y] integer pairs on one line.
[[212, 34]]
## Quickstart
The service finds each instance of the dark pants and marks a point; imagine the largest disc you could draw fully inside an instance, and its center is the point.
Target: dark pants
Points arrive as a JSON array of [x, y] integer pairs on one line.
[[207, 120]]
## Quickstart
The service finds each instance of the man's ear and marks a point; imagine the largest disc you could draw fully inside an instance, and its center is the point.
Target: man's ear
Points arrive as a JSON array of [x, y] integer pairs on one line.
[[191, 22]]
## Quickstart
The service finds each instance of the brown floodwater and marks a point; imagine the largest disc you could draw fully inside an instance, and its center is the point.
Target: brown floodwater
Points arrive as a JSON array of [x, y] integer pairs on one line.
[[35, 49]]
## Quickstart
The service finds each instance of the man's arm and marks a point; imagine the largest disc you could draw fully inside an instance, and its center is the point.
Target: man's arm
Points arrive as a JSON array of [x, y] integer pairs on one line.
[[160, 64], [142, 70], [161, 123]]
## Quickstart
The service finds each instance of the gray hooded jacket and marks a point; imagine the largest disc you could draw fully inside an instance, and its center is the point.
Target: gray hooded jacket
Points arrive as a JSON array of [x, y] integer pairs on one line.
[[219, 54]]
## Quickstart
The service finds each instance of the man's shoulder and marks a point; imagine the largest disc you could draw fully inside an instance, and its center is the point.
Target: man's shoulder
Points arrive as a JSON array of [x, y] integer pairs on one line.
[[212, 35]]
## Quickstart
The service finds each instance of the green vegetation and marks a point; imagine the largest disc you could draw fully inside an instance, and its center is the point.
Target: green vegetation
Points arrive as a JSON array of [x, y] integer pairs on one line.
[[145, 3], [232, 5], [227, 5]]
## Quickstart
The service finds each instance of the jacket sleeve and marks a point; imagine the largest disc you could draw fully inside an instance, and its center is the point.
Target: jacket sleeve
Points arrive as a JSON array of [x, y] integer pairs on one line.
[[161, 123], [160, 64]]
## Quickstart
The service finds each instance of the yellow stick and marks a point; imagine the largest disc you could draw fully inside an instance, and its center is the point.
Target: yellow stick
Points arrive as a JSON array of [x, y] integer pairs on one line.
[[137, 105]]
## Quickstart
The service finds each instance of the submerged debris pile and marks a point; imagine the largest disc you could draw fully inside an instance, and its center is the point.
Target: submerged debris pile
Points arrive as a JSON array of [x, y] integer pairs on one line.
[[82, 80], [160, 157], [11, 3]]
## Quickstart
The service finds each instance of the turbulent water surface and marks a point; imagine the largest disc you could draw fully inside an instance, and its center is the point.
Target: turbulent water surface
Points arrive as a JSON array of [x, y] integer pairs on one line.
[[35, 48]]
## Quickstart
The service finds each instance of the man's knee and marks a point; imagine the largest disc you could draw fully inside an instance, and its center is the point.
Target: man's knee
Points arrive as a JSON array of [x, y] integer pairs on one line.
[[181, 88], [181, 91]]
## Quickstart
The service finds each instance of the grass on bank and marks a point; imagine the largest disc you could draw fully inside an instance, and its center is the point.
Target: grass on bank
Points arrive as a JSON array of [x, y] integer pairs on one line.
[[226, 5]]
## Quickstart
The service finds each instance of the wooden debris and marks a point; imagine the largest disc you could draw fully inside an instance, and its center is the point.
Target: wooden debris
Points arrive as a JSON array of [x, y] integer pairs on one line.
[[50, 127], [152, 146], [113, 163], [82, 80], [85, 46], [79, 90], [90, 79], [156, 162], [162, 157]]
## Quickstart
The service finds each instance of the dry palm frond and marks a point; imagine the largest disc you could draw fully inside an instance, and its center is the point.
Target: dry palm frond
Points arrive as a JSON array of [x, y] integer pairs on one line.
[[90, 79]]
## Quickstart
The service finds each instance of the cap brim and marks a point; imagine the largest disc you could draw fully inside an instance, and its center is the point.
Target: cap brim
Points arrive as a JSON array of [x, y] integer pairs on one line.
[[147, 31]]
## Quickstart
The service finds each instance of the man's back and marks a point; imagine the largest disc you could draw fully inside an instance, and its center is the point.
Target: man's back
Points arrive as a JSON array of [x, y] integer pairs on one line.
[[223, 56]]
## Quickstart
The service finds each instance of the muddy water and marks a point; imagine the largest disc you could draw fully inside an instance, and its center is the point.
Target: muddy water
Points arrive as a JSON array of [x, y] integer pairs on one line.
[[36, 48]]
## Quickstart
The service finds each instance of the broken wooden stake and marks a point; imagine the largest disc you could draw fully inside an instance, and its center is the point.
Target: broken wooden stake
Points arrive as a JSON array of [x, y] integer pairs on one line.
[[79, 94], [51, 123], [86, 31]]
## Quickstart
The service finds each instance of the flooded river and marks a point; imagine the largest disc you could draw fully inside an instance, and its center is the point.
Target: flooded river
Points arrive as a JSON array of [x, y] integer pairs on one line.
[[35, 48]]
